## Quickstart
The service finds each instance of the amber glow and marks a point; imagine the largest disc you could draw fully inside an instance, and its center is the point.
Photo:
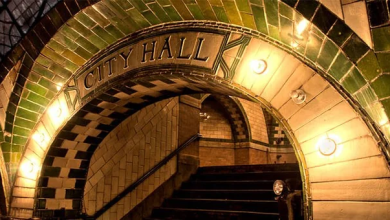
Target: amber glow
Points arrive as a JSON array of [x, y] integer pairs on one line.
[[258, 66], [329, 145], [39, 137]]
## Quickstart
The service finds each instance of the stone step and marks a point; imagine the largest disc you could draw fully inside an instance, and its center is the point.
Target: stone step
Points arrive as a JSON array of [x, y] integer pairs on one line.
[[225, 194], [248, 168], [244, 184], [196, 214], [262, 175], [222, 204]]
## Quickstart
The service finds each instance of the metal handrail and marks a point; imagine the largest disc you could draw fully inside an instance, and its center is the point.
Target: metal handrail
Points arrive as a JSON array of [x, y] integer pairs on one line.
[[156, 167]]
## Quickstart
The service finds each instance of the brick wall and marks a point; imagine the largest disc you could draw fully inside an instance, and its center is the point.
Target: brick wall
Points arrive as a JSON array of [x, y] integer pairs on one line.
[[218, 125], [130, 150], [217, 148], [256, 119]]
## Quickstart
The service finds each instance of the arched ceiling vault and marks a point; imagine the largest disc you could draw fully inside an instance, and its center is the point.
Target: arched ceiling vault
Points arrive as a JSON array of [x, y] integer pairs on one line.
[[69, 39]]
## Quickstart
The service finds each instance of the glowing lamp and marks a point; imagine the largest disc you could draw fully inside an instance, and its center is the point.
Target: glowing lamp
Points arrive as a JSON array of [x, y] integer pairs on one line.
[[56, 112], [279, 187], [259, 66], [27, 167], [39, 137], [327, 146], [298, 96]]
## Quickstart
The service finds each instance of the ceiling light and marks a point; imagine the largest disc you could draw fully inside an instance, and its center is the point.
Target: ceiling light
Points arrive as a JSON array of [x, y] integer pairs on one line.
[[259, 66], [298, 96], [39, 137], [327, 146]]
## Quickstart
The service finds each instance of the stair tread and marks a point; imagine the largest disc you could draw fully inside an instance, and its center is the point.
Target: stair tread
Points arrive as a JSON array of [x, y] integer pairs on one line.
[[211, 210], [228, 190], [222, 200]]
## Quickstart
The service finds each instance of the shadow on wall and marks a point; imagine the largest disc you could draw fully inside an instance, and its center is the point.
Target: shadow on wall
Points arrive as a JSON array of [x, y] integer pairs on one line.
[[219, 145]]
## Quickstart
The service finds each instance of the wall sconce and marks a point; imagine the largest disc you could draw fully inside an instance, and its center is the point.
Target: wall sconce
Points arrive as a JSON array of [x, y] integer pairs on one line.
[[55, 111], [204, 116], [39, 137], [327, 146], [298, 96], [27, 167], [59, 86], [258, 66]]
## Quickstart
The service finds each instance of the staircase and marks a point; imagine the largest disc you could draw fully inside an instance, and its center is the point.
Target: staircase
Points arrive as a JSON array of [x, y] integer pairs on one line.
[[227, 192]]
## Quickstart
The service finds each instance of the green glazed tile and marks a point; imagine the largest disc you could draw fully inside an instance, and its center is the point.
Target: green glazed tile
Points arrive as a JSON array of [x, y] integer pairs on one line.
[[125, 5], [47, 84], [369, 66], [86, 45], [21, 131], [137, 17], [49, 53], [381, 86], [383, 59], [7, 157], [119, 11], [83, 53], [274, 32], [243, 6], [24, 123], [19, 140], [232, 12], [340, 32], [216, 2], [271, 8], [96, 16], [5, 147], [151, 17], [50, 94], [59, 70], [340, 66], [182, 9], [156, 8], [79, 28], [189, 1], [16, 148], [327, 54], [22, 113], [248, 21], [258, 14], [220, 13], [164, 2], [207, 10], [354, 81], [172, 13], [286, 27], [72, 56], [42, 71], [355, 48], [196, 12], [69, 65], [37, 99], [139, 5], [62, 39], [103, 34], [36, 88], [285, 10], [366, 96], [124, 27], [111, 29], [313, 47], [69, 32], [58, 48], [44, 61], [381, 38]]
